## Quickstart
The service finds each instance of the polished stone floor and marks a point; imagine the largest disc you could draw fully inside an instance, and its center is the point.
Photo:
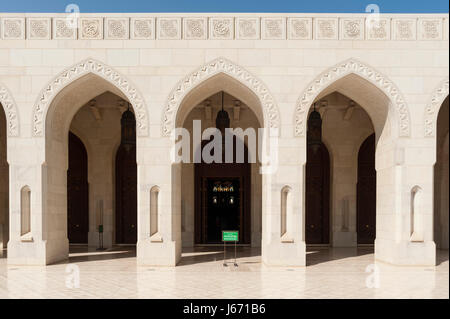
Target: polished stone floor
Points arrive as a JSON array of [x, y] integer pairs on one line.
[[331, 273]]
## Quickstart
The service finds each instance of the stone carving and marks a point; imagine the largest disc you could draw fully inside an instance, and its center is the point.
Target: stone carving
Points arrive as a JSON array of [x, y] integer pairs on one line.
[[63, 30], [77, 71], [378, 29], [247, 28], [273, 28], [13, 28], [10, 108], [339, 71], [430, 29], [220, 65], [117, 28], [195, 28], [221, 28], [38, 28], [404, 29], [169, 28], [432, 108], [300, 28], [326, 29], [352, 29], [142, 28], [91, 28]]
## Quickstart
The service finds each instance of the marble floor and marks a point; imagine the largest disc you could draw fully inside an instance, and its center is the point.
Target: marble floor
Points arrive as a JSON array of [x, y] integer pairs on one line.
[[331, 273]]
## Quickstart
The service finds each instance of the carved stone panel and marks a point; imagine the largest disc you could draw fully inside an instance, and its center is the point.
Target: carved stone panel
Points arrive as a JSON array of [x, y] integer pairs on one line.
[[404, 29], [117, 28], [91, 28], [430, 29], [273, 28], [351, 29], [378, 29], [169, 28], [142, 28], [299, 28], [64, 29], [326, 28], [247, 28], [221, 28], [39, 28], [195, 28], [13, 28]]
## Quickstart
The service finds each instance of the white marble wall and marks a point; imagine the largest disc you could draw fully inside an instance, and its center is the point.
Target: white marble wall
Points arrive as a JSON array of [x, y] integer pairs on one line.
[[285, 61]]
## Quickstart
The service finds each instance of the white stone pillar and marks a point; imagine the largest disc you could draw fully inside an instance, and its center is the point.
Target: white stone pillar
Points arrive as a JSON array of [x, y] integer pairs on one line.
[[155, 168]]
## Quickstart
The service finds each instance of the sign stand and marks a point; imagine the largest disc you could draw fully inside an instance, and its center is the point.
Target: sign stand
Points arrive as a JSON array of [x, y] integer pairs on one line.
[[100, 237], [230, 235]]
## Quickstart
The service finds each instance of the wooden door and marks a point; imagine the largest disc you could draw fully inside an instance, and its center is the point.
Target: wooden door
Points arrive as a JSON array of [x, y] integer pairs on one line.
[[77, 192], [126, 196], [317, 223], [366, 192]]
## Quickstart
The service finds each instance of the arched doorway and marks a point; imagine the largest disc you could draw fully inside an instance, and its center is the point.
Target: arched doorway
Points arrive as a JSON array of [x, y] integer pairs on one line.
[[223, 199], [317, 219], [126, 195], [4, 183], [441, 174], [77, 192], [366, 193]]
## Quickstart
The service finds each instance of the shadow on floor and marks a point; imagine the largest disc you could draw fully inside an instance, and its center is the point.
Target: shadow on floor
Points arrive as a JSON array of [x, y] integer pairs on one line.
[[441, 256], [83, 253], [206, 254], [318, 255]]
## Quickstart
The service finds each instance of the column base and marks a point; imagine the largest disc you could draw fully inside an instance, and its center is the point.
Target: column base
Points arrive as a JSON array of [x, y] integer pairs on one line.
[[158, 253], [344, 239], [37, 252], [406, 253], [284, 254]]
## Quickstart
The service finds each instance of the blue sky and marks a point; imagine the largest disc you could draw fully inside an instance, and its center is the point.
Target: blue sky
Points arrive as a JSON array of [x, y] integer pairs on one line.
[[314, 6]]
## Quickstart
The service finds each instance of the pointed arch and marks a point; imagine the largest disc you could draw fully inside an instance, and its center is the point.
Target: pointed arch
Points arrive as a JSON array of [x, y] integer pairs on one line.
[[10, 107], [440, 93], [352, 66], [217, 66], [75, 72]]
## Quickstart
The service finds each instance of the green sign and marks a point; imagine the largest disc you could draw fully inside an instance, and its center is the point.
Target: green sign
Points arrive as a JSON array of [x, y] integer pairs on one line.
[[230, 235]]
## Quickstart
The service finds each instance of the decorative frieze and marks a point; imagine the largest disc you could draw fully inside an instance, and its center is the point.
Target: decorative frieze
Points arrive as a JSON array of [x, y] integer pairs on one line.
[[13, 28], [247, 28], [91, 28], [117, 28], [430, 29], [299, 28], [10, 108], [273, 28], [326, 28], [142, 28], [169, 28], [352, 29], [39, 28], [221, 28], [378, 28], [433, 106], [195, 28], [64, 29], [404, 29]]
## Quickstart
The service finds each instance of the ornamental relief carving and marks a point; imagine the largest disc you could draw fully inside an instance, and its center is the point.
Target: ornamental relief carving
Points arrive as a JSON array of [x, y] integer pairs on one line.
[[221, 28], [117, 28], [430, 29], [13, 28], [404, 29], [63, 30], [91, 29], [220, 65], [351, 66], [300, 28], [195, 28], [432, 108], [169, 28], [378, 29], [142, 28], [247, 28], [273, 28], [326, 29], [89, 66], [39, 28], [10, 108], [352, 29]]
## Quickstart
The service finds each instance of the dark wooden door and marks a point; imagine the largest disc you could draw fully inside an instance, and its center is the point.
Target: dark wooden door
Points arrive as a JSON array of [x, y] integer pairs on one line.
[[317, 223], [210, 218], [126, 196], [77, 192], [366, 192]]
